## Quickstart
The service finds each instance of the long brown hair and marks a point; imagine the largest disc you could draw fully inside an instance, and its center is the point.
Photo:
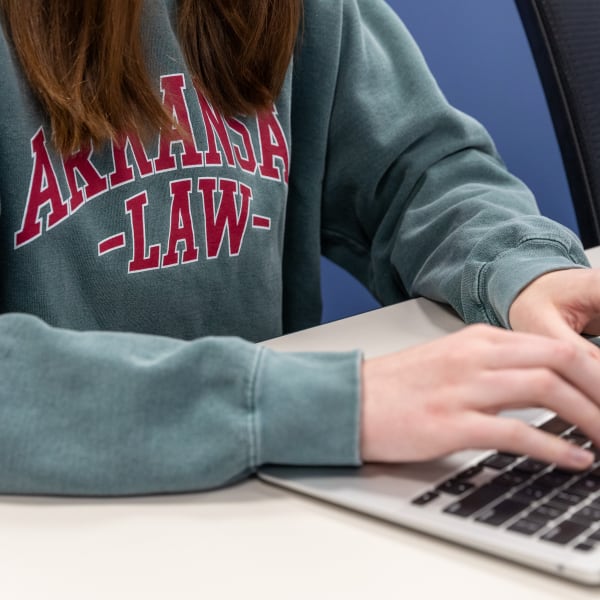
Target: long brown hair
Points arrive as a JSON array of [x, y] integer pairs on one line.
[[85, 60]]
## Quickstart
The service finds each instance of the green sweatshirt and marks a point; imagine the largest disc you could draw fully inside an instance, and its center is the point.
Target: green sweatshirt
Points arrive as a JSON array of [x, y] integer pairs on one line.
[[136, 279]]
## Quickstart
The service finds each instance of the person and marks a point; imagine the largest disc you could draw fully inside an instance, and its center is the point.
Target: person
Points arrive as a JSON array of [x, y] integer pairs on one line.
[[171, 173]]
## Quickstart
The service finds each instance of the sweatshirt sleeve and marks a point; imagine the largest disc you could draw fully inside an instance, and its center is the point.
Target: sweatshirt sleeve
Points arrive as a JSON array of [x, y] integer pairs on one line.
[[416, 201], [98, 413]]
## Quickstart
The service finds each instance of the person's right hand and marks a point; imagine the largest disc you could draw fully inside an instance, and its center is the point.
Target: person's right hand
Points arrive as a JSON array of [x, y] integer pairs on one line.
[[444, 396]]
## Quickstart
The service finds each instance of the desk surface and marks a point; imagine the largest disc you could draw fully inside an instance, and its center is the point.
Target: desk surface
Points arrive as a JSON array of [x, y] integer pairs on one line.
[[253, 540]]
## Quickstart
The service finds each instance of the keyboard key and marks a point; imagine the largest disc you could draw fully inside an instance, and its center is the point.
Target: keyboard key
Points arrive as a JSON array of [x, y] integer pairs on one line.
[[425, 498], [511, 478], [546, 512], [531, 466], [587, 514], [470, 472], [555, 425], [501, 512], [585, 546], [595, 537], [565, 532], [456, 487], [499, 461], [577, 440], [586, 485], [578, 431], [526, 526], [554, 478], [532, 492], [476, 500], [569, 472], [567, 498]]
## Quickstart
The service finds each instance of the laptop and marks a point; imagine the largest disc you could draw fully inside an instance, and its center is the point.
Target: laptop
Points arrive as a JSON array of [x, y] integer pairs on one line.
[[511, 506], [506, 505]]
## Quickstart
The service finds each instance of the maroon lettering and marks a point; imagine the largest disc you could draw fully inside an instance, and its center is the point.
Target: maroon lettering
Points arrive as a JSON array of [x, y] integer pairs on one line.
[[260, 222], [172, 87], [114, 242], [182, 227], [273, 146], [142, 260], [43, 190], [244, 152], [215, 128], [226, 216], [80, 164], [123, 172]]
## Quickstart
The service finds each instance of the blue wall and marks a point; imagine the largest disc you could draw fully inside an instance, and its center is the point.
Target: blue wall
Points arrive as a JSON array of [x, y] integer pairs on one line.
[[479, 54]]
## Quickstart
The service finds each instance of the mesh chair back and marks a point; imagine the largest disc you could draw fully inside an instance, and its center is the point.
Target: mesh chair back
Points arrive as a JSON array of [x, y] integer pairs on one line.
[[564, 36]]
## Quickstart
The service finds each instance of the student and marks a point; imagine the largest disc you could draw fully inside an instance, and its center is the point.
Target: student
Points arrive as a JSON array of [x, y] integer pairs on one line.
[[169, 178]]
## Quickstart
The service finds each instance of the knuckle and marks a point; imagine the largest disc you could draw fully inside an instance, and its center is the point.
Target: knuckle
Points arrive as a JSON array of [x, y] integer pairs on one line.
[[477, 339], [542, 383], [565, 352], [460, 357], [436, 410], [517, 434]]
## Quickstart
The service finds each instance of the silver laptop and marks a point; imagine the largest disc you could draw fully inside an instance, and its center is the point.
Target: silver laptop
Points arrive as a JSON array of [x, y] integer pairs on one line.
[[503, 504]]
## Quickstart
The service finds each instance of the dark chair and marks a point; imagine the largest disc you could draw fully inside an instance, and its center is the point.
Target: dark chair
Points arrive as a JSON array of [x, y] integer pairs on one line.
[[564, 36]]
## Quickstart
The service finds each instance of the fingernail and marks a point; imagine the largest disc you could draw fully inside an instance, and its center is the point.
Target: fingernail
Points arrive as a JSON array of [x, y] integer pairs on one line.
[[580, 458]]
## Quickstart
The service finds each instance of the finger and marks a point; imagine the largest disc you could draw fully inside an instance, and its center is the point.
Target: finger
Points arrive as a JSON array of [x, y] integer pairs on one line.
[[571, 296], [574, 362], [568, 322], [556, 327], [532, 388], [511, 435], [583, 293]]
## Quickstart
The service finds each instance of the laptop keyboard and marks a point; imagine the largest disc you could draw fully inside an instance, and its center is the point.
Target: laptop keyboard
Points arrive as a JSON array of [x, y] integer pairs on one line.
[[530, 497]]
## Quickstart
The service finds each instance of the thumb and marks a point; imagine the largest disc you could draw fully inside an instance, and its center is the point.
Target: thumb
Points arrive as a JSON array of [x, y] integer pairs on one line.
[[552, 323]]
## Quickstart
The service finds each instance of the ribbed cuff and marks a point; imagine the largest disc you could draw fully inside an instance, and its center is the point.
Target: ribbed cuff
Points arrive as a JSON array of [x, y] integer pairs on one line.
[[503, 279], [307, 408]]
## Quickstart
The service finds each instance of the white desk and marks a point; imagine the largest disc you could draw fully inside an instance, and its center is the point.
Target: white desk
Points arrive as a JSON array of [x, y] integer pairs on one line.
[[253, 540]]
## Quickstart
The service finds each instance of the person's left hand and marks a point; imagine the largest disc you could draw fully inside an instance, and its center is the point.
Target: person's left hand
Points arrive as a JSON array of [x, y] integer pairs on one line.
[[562, 305]]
